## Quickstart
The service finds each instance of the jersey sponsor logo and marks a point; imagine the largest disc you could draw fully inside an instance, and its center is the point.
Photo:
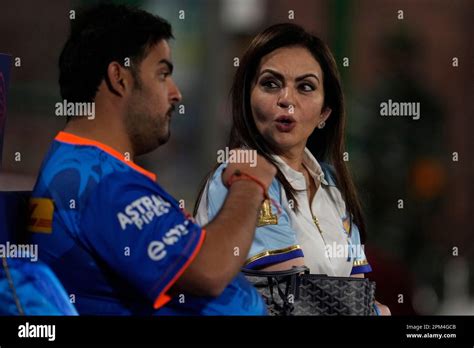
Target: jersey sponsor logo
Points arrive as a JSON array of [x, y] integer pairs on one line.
[[40, 216], [143, 211], [157, 248]]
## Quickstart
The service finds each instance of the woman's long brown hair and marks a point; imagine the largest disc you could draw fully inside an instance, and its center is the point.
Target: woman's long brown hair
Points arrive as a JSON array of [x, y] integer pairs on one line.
[[326, 144]]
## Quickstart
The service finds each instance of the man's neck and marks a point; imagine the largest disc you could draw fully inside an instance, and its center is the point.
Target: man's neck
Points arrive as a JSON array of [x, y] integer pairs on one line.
[[111, 134]]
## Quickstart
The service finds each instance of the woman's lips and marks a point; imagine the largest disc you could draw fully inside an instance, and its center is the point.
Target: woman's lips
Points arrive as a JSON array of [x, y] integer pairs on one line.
[[285, 123]]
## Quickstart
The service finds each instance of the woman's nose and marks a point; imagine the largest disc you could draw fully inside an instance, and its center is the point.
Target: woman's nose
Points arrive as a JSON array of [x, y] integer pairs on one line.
[[286, 98]]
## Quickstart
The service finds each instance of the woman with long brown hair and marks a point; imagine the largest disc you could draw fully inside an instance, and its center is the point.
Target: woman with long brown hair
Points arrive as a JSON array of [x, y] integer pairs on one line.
[[288, 105]]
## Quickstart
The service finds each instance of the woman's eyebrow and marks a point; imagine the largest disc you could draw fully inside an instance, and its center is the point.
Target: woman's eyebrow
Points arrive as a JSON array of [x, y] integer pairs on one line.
[[281, 77], [273, 72], [302, 77]]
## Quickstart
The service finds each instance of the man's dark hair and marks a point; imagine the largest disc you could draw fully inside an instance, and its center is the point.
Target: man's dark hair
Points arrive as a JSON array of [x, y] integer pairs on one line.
[[103, 34]]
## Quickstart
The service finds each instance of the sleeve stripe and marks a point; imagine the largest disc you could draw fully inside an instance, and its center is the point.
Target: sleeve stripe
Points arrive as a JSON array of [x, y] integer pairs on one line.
[[271, 259], [163, 298], [361, 269]]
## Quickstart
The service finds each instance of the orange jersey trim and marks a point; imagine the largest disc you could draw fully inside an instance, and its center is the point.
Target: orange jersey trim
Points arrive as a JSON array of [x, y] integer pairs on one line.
[[163, 298], [69, 138]]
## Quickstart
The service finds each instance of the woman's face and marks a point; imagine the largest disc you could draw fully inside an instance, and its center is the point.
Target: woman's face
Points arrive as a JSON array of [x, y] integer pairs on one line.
[[287, 98]]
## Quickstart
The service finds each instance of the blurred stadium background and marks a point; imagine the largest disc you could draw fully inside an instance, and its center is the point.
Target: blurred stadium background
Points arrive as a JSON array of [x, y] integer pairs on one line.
[[423, 254]]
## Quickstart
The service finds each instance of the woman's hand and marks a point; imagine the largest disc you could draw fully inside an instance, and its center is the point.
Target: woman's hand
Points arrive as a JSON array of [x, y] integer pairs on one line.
[[384, 310]]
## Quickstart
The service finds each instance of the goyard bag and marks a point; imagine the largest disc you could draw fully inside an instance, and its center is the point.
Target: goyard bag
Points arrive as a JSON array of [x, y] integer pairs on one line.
[[297, 292]]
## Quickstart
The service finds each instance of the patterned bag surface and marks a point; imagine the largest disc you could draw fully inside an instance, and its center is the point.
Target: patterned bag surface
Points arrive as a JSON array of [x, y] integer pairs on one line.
[[297, 292]]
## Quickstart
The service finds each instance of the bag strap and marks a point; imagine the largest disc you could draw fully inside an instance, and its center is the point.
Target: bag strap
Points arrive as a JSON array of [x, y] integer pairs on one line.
[[257, 273], [274, 278], [286, 307], [12, 286]]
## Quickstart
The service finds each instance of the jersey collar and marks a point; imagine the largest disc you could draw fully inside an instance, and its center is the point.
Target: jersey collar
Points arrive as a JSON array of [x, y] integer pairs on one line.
[[70, 138], [295, 178]]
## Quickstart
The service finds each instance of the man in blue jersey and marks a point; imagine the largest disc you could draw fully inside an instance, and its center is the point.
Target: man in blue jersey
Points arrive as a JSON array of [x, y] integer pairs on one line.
[[118, 242]]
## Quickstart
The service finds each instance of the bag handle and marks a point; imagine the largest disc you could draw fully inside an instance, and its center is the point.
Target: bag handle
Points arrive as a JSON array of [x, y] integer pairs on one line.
[[12, 286], [286, 308], [257, 273]]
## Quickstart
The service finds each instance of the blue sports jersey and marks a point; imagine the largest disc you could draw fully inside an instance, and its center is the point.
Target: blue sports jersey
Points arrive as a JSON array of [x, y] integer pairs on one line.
[[116, 239]]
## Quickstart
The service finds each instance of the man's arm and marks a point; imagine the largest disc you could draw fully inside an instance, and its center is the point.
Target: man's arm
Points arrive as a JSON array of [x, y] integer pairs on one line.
[[229, 236]]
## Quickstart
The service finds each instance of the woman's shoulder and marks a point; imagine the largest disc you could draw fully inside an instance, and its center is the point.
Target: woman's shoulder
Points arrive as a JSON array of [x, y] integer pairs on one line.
[[329, 173], [217, 173], [215, 181]]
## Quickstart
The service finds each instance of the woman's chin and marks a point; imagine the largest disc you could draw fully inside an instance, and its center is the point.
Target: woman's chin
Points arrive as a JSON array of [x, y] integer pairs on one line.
[[284, 144]]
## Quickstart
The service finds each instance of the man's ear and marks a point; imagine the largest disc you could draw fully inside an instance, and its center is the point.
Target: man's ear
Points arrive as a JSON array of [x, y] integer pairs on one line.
[[118, 79], [325, 114]]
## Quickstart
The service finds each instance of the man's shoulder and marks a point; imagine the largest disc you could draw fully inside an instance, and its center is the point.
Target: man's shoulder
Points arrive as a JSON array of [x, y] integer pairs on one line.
[[75, 171], [88, 161]]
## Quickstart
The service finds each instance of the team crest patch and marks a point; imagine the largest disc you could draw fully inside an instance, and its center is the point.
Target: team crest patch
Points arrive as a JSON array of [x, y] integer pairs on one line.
[[266, 217], [40, 217]]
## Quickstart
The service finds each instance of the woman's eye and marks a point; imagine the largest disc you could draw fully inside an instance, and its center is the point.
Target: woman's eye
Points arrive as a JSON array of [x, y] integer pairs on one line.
[[307, 87], [270, 84]]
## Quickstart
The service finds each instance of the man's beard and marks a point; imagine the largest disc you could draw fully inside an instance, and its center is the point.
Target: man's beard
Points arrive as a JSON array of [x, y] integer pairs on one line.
[[146, 133]]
